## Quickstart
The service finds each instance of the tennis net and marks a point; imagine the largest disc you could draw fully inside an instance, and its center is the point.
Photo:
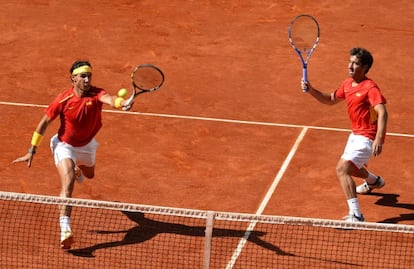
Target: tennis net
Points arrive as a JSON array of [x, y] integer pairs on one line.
[[123, 235]]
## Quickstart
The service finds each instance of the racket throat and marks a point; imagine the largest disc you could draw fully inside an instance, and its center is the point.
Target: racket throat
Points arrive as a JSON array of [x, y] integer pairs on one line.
[[305, 72]]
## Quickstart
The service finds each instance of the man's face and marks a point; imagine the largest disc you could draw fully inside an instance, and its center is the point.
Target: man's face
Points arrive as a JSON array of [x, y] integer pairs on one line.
[[82, 81], [355, 68]]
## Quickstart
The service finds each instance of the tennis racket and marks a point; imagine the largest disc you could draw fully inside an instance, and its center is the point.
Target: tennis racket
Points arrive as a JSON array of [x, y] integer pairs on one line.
[[304, 37], [144, 78]]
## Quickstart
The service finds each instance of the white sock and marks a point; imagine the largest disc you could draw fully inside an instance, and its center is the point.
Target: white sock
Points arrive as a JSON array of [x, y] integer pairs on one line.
[[354, 207], [371, 179], [64, 223]]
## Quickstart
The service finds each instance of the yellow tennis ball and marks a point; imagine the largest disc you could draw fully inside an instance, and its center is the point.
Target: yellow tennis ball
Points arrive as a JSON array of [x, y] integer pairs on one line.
[[122, 92]]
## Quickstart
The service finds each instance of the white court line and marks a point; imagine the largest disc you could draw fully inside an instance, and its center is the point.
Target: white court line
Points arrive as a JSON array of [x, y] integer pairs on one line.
[[266, 199], [216, 119]]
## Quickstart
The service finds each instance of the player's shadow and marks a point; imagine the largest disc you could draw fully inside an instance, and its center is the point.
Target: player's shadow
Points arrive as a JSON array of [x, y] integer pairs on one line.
[[148, 229], [391, 200]]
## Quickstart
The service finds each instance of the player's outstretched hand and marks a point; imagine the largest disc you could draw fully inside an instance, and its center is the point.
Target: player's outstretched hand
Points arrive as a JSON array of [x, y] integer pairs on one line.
[[26, 158]]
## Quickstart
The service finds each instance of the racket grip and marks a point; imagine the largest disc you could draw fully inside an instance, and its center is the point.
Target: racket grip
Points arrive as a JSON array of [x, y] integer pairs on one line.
[[305, 77], [128, 103], [127, 107]]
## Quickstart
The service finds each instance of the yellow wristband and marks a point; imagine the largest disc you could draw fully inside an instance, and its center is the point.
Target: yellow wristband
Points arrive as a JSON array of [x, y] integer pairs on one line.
[[118, 102], [37, 139]]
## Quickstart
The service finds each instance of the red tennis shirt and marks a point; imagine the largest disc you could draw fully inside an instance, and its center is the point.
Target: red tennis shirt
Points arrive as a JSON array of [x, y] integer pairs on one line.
[[360, 101], [80, 117]]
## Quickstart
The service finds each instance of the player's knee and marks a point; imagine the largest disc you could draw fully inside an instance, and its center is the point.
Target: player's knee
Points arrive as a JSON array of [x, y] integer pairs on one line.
[[342, 168]]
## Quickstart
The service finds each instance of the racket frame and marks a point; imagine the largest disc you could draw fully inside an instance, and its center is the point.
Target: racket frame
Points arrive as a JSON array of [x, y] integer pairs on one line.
[[303, 60], [137, 90]]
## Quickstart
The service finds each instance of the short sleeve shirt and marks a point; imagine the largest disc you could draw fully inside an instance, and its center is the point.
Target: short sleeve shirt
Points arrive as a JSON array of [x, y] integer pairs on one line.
[[80, 117], [361, 101]]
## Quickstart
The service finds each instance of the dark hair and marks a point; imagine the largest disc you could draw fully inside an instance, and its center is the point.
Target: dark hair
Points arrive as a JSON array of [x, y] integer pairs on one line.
[[79, 64], [364, 56]]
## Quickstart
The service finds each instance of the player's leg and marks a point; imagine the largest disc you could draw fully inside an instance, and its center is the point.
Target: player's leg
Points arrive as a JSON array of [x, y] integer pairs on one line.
[[359, 150], [371, 181], [86, 159], [66, 170], [356, 154], [344, 169], [87, 171], [64, 160]]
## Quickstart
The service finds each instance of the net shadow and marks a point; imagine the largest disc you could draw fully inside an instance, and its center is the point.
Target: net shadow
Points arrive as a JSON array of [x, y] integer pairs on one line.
[[147, 229]]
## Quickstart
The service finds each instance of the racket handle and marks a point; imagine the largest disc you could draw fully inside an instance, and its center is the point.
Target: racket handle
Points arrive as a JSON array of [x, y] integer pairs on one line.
[[305, 77], [127, 108], [129, 102]]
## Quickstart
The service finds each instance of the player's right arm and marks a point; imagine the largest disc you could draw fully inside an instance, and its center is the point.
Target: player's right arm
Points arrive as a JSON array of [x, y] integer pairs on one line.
[[324, 98], [382, 119], [113, 101], [36, 140]]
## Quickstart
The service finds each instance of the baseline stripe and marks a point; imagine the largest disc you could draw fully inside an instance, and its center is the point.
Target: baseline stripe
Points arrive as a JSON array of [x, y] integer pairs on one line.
[[218, 120]]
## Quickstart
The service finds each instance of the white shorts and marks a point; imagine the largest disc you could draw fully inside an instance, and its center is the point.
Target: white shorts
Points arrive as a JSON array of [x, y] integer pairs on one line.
[[358, 150], [85, 155]]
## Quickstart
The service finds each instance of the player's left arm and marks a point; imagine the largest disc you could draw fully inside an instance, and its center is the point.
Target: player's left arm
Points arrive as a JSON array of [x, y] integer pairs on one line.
[[382, 119], [36, 140]]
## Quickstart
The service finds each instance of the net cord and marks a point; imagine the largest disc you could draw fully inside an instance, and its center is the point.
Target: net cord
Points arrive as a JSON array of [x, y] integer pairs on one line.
[[202, 214]]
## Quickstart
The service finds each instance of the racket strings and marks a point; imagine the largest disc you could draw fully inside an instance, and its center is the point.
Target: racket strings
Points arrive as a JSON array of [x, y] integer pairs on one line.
[[304, 33], [147, 78]]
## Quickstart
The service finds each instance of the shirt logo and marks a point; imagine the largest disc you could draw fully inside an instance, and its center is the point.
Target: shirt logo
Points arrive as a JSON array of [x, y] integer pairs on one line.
[[358, 94], [88, 103]]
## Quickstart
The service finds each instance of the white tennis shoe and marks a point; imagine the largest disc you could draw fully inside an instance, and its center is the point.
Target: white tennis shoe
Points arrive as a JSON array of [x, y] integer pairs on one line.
[[66, 239], [353, 218], [366, 188]]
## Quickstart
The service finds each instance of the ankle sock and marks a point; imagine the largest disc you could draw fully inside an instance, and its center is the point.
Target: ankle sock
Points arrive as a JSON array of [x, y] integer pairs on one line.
[[64, 223], [353, 205]]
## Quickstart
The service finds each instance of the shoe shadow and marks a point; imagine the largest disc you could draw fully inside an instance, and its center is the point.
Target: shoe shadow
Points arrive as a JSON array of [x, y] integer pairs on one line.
[[391, 200]]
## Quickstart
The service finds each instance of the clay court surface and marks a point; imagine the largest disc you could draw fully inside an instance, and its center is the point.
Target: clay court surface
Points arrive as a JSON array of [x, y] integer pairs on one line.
[[216, 135]]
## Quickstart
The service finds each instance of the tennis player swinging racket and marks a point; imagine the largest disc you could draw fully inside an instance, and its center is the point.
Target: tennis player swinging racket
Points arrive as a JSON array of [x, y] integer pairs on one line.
[[144, 78], [304, 37]]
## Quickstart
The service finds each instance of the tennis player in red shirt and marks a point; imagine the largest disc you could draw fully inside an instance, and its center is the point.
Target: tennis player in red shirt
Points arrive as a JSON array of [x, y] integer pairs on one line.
[[368, 115], [79, 109]]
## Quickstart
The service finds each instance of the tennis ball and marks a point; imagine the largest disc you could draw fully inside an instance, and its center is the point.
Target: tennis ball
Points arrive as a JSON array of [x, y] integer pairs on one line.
[[122, 92]]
